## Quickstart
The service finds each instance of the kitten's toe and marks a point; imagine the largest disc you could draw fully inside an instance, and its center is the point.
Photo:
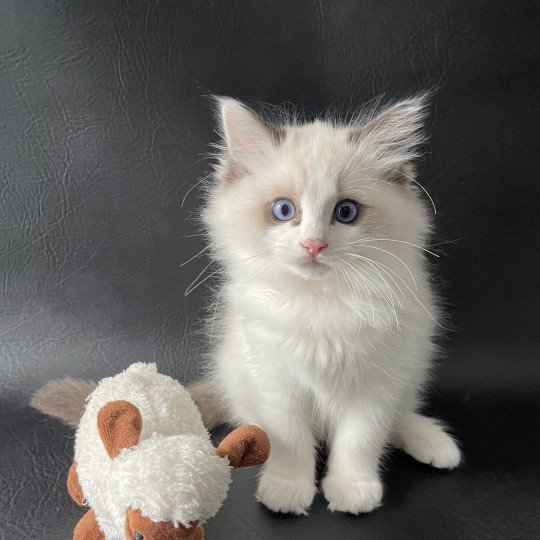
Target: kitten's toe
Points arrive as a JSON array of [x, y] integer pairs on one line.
[[286, 495], [353, 496], [439, 451]]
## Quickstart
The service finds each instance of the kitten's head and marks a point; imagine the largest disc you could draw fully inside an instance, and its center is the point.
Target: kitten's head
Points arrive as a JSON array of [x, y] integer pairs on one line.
[[308, 199]]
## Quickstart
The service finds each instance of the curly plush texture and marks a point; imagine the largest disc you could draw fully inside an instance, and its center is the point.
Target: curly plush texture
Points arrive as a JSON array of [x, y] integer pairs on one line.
[[179, 479], [173, 473]]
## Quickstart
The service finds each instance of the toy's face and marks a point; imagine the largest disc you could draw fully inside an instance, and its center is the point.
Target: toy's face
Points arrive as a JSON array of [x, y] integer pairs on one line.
[[139, 527]]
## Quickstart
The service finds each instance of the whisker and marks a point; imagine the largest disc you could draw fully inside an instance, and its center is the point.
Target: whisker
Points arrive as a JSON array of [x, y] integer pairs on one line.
[[268, 265], [194, 285], [199, 275], [196, 255], [194, 235], [353, 290], [193, 187], [385, 269], [209, 246], [410, 290], [216, 302], [387, 298], [399, 259], [392, 293], [359, 242]]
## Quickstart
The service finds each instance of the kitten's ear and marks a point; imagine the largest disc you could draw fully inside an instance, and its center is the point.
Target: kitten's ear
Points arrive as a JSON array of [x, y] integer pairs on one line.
[[245, 133], [392, 136]]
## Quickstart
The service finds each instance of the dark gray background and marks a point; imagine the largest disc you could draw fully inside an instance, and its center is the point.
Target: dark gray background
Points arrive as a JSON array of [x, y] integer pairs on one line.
[[103, 131]]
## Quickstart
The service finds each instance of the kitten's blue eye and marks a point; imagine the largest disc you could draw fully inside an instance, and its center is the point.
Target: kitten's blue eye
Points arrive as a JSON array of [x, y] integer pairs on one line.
[[283, 209], [346, 211]]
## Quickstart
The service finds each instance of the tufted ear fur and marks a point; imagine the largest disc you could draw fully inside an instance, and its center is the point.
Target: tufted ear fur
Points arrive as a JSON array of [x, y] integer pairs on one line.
[[246, 135], [119, 425], [391, 137], [245, 446]]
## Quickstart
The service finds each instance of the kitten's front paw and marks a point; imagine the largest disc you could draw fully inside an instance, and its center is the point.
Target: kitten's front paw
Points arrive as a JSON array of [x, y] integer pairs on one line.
[[353, 496], [286, 495]]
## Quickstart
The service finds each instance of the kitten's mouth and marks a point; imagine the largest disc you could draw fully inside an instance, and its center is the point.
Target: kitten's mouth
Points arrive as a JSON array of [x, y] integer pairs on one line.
[[312, 261], [310, 267]]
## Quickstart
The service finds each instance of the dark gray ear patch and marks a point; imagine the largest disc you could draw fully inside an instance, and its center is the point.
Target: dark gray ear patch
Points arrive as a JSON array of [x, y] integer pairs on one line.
[[233, 171], [403, 175], [277, 133], [354, 135]]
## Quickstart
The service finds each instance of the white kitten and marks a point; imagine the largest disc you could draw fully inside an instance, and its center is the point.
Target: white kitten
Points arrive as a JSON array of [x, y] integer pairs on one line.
[[326, 315]]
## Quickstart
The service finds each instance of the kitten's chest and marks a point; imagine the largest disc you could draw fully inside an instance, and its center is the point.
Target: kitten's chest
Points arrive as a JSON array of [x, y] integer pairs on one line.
[[321, 329]]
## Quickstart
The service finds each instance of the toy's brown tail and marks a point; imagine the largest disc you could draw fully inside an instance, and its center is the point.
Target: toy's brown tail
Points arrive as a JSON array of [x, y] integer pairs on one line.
[[64, 399], [206, 395]]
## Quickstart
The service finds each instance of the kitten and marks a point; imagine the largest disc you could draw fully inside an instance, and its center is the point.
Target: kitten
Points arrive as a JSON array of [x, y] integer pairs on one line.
[[326, 315], [325, 320]]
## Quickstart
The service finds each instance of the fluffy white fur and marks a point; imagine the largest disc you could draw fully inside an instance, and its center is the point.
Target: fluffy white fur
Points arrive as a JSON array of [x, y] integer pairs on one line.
[[173, 474], [338, 350]]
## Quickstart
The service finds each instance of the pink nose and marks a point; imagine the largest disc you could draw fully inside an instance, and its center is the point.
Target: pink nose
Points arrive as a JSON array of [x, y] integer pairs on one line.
[[314, 247]]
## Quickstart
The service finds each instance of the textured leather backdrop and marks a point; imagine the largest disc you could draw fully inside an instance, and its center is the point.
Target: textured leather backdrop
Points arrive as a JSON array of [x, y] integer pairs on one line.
[[103, 129]]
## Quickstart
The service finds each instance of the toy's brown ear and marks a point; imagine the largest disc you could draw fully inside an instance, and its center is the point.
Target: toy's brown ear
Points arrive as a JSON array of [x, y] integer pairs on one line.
[[245, 446], [119, 425]]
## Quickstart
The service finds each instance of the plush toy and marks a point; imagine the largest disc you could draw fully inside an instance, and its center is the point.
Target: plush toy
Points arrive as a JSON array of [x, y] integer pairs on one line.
[[144, 462]]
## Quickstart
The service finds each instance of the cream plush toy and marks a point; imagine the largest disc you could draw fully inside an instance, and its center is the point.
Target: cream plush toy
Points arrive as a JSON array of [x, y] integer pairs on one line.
[[144, 462]]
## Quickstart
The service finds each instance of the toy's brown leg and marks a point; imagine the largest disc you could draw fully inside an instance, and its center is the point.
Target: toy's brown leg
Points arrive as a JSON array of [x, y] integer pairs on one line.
[[199, 533], [88, 528], [73, 486]]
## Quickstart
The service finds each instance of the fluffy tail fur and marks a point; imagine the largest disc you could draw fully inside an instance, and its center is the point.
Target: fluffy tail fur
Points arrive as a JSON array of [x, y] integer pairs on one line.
[[64, 399], [206, 395]]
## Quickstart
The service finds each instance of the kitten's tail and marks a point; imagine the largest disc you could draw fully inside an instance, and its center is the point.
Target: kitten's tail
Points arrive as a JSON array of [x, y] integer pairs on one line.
[[207, 396], [64, 399]]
